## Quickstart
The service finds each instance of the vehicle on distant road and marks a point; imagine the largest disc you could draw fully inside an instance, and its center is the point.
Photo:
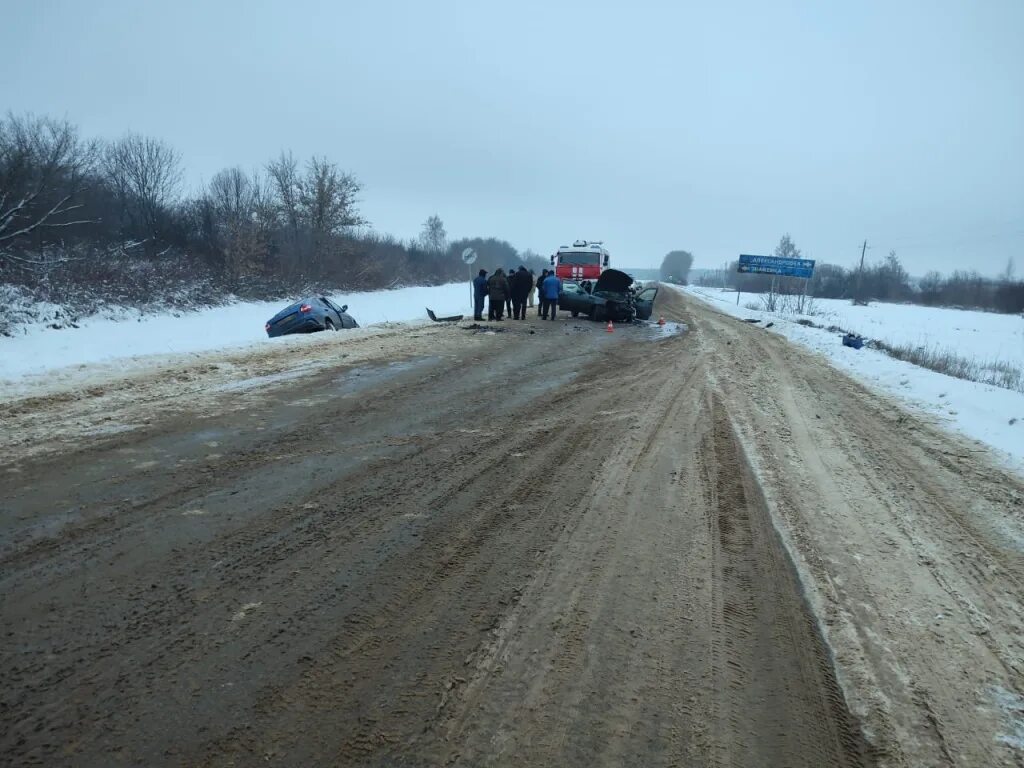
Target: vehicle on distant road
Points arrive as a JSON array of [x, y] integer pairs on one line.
[[613, 298], [309, 315], [582, 261]]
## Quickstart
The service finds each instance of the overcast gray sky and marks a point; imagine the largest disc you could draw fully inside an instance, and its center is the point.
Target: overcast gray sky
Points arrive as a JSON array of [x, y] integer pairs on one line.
[[713, 127]]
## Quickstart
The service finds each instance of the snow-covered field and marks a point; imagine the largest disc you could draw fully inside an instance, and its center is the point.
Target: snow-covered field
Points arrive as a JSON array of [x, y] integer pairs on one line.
[[128, 338], [986, 336], [989, 414]]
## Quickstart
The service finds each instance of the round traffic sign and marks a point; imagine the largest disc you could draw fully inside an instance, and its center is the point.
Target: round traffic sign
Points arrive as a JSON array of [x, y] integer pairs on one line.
[[469, 256]]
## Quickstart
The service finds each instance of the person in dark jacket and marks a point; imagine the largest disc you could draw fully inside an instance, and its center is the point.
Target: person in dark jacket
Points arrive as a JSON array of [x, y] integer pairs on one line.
[[540, 294], [520, 285], [479, 294], [497, 293], [549, 291]]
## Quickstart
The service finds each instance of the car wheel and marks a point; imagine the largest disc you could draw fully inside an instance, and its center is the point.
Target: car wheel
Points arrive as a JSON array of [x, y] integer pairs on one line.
[[328, 324], [592, 314], [575, 313]]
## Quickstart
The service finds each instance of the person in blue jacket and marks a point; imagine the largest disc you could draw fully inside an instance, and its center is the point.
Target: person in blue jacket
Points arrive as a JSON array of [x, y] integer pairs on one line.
[[549, 291], [540, 290], [479, 294]]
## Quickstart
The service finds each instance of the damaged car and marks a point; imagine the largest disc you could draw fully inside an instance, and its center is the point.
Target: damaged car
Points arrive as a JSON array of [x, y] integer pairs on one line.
[[614, 297]]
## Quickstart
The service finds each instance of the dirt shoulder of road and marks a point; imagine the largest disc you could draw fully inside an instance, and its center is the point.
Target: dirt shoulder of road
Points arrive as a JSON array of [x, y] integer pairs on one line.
[[909, 540]]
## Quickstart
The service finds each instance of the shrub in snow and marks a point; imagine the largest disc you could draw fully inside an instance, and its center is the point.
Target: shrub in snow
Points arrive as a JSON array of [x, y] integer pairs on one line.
[[997, 373]]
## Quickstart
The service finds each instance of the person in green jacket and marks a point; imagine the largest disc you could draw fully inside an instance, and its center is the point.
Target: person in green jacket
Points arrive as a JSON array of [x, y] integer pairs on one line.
[[497, 294]]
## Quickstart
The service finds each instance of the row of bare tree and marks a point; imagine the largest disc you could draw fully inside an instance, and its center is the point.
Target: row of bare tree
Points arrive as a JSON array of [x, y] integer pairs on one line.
[[76, 209], [288, 219], [886, 280], [56, 188]]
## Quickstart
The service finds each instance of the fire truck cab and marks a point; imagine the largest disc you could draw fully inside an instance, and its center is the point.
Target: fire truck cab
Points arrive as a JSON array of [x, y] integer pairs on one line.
[[582, 260]]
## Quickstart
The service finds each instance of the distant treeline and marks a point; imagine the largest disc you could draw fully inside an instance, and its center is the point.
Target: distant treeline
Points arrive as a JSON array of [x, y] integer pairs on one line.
[[112, 215], [886, 280]]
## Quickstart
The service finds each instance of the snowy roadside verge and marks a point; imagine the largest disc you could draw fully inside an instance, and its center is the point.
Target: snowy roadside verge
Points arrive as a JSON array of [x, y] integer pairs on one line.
[[990, 415], [42, 354]]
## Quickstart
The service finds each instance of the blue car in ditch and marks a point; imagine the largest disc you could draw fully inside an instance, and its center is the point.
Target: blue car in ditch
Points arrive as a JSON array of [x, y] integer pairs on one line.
[[309, 315]]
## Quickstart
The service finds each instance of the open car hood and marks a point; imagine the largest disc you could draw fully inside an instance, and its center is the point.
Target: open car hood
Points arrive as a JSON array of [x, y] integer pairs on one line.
[[614, 281]]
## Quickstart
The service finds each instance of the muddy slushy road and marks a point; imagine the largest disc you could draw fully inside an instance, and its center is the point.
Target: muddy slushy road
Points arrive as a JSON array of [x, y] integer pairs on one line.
[[550, 546]]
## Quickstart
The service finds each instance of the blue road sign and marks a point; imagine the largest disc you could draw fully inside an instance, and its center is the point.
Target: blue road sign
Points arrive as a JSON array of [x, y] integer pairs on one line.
[[773, 265]]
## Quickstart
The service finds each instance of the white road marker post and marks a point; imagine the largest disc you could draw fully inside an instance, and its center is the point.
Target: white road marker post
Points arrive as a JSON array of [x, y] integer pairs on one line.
[[468, 257]]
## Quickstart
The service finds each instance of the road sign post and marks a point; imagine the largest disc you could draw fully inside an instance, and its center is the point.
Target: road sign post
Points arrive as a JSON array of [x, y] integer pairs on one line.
[[468, 257]]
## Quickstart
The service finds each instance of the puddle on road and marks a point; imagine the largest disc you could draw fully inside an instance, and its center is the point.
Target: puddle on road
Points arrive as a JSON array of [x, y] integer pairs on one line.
[[255, 382], [656, 332], [645, 330], [362, 377], [210, 437], [527, 389]]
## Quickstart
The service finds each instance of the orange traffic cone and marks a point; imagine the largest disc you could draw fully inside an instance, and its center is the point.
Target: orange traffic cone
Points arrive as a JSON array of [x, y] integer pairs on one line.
[[610, 328], [661, 321]]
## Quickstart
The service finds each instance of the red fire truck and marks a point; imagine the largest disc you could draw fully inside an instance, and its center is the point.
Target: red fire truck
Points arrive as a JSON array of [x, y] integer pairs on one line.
[[582, 261]]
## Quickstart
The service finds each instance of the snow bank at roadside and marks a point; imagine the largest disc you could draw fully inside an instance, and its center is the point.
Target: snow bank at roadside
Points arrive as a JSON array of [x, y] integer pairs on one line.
[[985, 336], [106, 339], [988, 414]]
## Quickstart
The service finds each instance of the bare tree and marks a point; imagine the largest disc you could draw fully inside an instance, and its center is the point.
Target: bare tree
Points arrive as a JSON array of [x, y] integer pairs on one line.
[[146, 176], [44, 166], [232, 194], [1006, 276], [433, 238], [786, 249], [771, 299], [241, 221], [328, 202], [286, 186], [328, 198]]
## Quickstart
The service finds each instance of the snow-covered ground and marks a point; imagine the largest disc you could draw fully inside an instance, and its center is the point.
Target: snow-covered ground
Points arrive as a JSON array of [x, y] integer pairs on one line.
[[986, 336], [131, 336], [991, 415]]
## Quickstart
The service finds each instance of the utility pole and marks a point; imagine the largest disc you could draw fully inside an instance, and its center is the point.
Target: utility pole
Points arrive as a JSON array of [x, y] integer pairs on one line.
[[860, 273]]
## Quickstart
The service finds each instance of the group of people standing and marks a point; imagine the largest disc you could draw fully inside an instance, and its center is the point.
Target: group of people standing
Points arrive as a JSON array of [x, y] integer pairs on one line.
[[515, 292]]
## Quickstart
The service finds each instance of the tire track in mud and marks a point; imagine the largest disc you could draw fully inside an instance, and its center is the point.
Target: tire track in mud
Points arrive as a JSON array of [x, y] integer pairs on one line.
[[432, 604], [767, 646], [576, 712], [558, 708], [265, 545], [403, 605]]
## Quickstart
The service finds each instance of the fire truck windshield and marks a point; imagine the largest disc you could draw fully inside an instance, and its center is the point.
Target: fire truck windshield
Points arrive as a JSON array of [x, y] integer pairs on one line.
[[579, 258]]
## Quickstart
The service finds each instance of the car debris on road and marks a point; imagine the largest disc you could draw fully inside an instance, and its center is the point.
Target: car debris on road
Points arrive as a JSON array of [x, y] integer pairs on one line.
[[449, 319]]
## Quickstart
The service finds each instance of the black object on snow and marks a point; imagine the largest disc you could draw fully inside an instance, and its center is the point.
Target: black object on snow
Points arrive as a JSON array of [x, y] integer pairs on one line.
[[436, 319]]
